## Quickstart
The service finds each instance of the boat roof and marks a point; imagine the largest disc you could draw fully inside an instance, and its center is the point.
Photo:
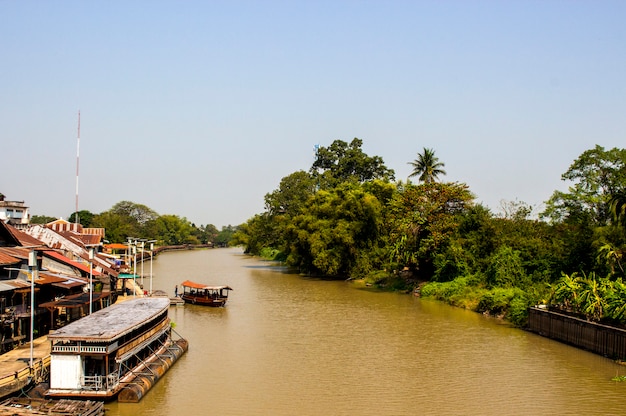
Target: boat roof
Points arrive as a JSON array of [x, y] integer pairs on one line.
[[194, 285], [112, 322]]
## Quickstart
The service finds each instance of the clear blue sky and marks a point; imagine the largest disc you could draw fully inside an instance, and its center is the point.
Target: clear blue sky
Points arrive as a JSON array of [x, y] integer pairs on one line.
[[199, 108]]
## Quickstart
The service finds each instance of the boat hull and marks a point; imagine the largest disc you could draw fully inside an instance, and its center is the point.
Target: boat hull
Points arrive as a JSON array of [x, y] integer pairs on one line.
[[204, 301]]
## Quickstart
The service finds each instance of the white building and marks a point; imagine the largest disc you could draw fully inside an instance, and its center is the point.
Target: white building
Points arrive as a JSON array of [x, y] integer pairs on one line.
[[13, 212]]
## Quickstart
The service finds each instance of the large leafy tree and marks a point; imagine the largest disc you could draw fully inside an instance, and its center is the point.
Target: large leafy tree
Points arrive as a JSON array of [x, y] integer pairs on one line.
[[597, 176], [138, 213], [258, 233], [208, 233], [422, 219], [427, 166], [126, 219], [84, 217], [117, 226], [343, 162], [41, 219], [225, 236], [292, 194], [335, 233], [588, 213], [174, 230]]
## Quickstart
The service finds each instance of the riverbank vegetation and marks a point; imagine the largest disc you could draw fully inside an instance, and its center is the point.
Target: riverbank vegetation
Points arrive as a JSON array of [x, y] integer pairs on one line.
[[347, 217]]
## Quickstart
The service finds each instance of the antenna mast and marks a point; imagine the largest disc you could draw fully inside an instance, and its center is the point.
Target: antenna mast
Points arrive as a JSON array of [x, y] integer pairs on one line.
[[77, 165]]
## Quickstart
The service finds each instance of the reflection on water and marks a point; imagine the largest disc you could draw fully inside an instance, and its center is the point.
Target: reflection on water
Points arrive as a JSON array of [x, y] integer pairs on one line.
[[291, 345]]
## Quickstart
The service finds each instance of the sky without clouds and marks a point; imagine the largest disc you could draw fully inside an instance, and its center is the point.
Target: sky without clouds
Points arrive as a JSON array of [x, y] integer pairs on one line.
[[199, 108]]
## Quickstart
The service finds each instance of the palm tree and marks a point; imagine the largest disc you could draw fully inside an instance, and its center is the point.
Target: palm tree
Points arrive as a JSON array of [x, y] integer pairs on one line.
[[427, 166], [617, 204], [567, 291], [591, 300], [615, 301]]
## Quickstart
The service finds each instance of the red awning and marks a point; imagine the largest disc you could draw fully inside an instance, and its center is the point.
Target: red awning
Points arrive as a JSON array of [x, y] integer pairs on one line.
[[194, 285], [73, 263]]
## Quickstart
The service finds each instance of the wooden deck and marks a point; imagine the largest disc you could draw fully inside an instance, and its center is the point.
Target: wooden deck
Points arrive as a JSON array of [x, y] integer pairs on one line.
[[26, 407], [15, 372]]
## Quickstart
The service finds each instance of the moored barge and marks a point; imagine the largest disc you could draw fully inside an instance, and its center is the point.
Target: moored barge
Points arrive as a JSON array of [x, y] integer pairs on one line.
[[119, 351]]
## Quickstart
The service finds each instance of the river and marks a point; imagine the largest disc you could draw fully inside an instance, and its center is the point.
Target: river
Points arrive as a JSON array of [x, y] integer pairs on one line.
[[291, 345]]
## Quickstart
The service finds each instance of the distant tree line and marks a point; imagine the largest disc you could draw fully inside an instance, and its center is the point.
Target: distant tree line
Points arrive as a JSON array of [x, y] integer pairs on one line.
[[128, 219], [347, 217]]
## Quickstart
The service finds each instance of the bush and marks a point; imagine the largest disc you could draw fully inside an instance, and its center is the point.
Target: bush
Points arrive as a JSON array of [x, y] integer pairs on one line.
[[459, 292], [510, 303], [445, 290], [269, 253], [505, 269], [496, 301], [378, 277], [518, 310]]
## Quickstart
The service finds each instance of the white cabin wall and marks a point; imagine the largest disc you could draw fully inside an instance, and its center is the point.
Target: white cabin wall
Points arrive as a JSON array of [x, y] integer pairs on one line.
[[65, 371]]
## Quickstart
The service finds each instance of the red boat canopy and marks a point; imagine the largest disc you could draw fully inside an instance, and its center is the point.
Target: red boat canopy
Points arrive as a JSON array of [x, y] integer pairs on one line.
[[194, 285]]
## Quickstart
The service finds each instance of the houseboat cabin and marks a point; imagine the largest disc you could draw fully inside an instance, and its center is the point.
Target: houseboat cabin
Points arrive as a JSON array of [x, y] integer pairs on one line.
[[97, 356], [200, 294]]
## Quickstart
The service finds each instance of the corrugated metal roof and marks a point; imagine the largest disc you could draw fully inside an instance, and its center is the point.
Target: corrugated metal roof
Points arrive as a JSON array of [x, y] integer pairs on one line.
[[13, 284], [74, 301], [110, 323], [52, 239], [81, 239], [7, 259], [61, 280], [17, 252], [23, 238], [72, 263]]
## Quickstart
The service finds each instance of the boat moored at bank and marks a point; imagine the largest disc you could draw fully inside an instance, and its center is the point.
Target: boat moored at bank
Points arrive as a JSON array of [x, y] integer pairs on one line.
[[118, 348], [200, 294]]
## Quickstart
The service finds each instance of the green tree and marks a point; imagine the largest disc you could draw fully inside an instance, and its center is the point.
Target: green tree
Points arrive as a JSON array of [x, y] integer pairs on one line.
[[478, 235], [138, 213], [208, 233], [427, 166], [613, 257], [41, 219], [85, 218], [256, 234], [616, 301], [505, 269], [341, 162], [597, 176], [335, 233], [174, 230], [126, 219], [617, 205], [292, 194], [117, 227], [225, 236], [566, 292], [422, 219], [591, 300]]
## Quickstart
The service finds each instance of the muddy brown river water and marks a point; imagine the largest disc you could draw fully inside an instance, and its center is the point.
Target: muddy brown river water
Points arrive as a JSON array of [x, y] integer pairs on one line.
[[291, 345]]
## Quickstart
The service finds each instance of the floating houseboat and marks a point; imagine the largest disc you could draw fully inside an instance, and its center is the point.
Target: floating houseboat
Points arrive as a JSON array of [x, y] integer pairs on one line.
[[119, 351], [200, 294]]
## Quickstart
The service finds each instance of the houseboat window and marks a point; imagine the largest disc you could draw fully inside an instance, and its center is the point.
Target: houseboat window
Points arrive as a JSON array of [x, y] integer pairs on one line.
[[94, 366]]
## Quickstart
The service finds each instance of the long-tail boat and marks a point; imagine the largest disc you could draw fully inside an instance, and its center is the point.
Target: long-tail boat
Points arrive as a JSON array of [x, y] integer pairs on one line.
[[199, 294]]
